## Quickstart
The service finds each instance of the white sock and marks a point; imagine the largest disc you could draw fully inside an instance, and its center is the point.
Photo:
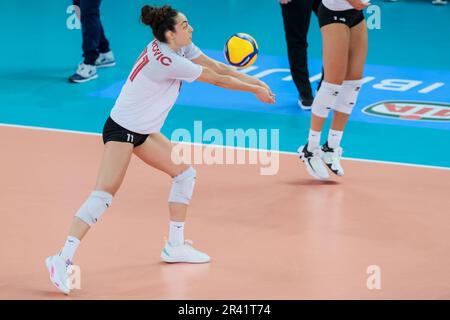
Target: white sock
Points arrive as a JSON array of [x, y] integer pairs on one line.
[[176, 233], [334, 138], [69, 249], [313, 140]]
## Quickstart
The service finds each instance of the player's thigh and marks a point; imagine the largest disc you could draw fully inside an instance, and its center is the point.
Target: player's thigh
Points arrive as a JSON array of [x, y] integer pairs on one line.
[[357, 51], [156, 151], [335, 44], [114, 164]]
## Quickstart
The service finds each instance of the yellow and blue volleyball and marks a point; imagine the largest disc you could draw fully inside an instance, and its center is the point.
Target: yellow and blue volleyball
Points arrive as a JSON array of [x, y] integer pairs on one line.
[[241, 50]]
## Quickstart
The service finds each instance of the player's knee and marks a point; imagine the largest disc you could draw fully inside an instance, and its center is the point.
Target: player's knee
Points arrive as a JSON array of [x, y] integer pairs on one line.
[[325, 98], [347, 98], [94, 207], [183, 186]]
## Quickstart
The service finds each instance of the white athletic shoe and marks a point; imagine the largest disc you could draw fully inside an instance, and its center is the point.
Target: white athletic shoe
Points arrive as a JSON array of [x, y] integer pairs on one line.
[[332, 158], [105, 60], [183, 253], [84, 73], [57, 269], [313, 162]]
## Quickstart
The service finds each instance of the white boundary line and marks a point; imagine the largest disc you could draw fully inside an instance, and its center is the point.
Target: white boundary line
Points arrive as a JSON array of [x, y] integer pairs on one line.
[[237, 148]]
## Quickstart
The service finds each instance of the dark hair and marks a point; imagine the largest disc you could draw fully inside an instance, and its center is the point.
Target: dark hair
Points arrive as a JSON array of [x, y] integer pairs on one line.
[[160, 19]]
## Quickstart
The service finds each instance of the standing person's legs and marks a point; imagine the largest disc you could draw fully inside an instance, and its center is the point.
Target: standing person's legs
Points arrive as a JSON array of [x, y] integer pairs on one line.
[[106, 56], [296, 18], [103, 46], [91, 29], [315, 8], [156, 151]]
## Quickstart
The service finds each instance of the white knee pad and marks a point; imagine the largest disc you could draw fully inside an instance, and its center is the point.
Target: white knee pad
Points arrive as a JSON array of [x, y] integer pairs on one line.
[[183, 186], [325, 99], [348, 96], [93, 208]]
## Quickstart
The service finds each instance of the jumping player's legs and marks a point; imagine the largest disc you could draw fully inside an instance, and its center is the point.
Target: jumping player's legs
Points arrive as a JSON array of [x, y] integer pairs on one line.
[[331, 151], [156, 151], [355, 67], [335, 39]]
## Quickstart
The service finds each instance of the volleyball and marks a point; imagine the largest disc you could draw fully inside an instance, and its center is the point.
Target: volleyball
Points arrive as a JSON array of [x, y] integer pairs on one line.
[[241, 50]]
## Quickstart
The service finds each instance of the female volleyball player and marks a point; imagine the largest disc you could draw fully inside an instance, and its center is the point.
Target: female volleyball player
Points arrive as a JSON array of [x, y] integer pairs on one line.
[[344, 35], [134, 127]]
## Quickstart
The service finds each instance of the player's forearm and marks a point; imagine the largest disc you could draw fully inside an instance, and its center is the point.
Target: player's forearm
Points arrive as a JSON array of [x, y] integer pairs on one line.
[[233, 83], [239, 75]]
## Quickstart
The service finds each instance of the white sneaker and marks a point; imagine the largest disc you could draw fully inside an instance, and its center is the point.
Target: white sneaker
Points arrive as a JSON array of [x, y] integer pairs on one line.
[[85, 72], [313, 162], [57, 269], [183, 253], [332, 158], [105, 60]]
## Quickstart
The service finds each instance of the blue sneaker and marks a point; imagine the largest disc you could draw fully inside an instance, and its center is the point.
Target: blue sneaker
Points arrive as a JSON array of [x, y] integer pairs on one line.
[[85, 72], [105, 60]]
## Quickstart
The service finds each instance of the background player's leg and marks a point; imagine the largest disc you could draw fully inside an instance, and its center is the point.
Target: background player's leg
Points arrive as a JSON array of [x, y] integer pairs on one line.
[[355, 67], [335, 38], [331, 150]]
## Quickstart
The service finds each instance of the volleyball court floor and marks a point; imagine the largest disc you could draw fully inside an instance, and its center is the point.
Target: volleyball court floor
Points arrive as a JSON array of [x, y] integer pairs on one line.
[[281, 236]]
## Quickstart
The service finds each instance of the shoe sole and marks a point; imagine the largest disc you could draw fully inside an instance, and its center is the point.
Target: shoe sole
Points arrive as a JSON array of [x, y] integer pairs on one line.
[[106, 65], [170, 260], [84, 80], [60, 288]]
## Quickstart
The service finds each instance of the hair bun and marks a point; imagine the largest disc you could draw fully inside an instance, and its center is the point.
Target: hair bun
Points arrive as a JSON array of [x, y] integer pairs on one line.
[[159, 19], [148, 15]]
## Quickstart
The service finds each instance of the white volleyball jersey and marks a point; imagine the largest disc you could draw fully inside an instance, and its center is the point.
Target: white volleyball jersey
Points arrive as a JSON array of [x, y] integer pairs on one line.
[[153, 86], [337, 5]]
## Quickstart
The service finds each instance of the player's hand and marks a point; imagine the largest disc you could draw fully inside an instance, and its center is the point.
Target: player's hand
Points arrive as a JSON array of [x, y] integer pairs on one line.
[[359, 4], [265, 85], [264, 95], [284, 1]]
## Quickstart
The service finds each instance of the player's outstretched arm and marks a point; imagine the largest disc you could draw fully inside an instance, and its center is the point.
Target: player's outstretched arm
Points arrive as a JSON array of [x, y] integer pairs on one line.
[[223, 69], [230, 82]]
